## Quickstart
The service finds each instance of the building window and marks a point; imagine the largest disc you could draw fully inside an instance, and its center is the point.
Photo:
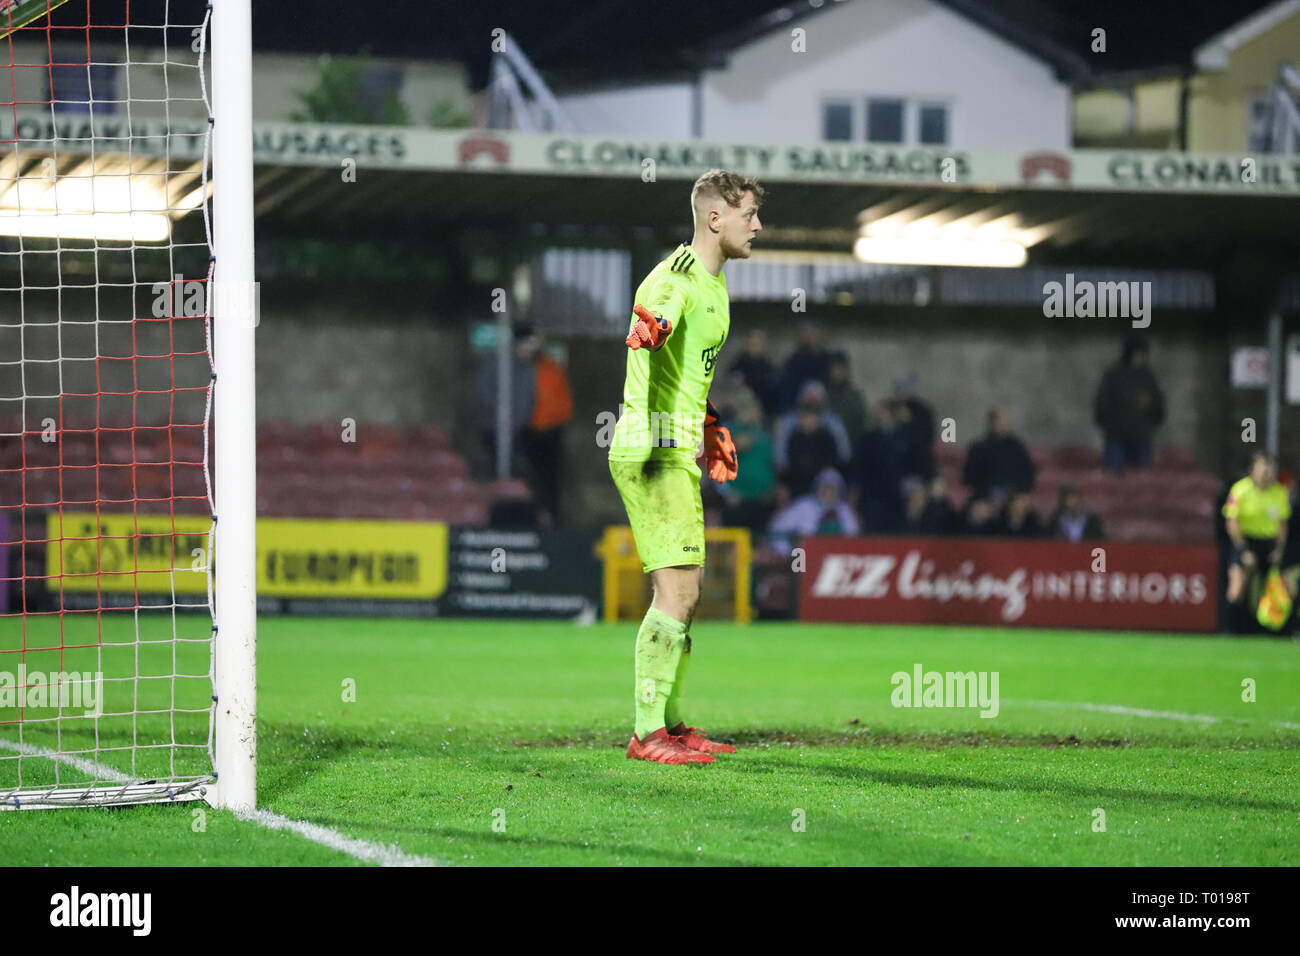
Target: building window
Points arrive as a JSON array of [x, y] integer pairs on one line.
[[885, 121], [380, 93], [75, 86], [1259, 123], [837, 121], [881, 120], [933, 124]]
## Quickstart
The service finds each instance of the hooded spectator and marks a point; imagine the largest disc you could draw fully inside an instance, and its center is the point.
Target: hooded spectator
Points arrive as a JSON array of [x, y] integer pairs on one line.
[[1129, 407], [822, 511]]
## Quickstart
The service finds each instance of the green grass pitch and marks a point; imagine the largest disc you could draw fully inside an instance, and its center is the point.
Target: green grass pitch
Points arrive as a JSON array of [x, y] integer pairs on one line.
[[498, 743]]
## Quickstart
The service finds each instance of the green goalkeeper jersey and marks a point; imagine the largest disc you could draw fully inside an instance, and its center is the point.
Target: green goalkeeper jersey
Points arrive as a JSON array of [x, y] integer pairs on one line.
[[665, 392]]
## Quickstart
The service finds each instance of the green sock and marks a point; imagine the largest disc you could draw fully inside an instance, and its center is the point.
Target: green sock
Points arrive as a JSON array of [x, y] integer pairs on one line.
[[659, 645], [673, 714]]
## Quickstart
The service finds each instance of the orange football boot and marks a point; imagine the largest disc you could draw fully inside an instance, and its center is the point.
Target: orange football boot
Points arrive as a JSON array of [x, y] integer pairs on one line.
[[661, 747], [694, 738]]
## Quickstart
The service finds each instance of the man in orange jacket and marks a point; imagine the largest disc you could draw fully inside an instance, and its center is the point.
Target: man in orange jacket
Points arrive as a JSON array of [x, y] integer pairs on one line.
[[542, 440]]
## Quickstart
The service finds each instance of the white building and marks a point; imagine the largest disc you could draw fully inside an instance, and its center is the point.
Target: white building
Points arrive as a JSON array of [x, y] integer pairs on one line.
[[910, 72]]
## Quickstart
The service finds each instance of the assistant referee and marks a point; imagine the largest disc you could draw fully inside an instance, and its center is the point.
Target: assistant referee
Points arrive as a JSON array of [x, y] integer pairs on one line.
[[1257, 510]]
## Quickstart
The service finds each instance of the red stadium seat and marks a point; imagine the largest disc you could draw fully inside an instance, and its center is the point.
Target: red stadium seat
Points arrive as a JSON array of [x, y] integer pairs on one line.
[[1076, 456], [427, 437], [1140, 529], [1174, 457]]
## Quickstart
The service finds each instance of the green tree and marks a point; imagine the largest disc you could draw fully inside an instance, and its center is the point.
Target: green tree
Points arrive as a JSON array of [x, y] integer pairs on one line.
[[446, 114], [340, 96]]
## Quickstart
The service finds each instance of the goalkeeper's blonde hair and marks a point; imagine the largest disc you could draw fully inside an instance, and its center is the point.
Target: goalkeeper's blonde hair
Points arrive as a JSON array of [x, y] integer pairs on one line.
[[725, 185]]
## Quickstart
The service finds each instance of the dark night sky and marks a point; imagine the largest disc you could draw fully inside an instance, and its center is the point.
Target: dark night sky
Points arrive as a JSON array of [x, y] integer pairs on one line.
[[609, 37]]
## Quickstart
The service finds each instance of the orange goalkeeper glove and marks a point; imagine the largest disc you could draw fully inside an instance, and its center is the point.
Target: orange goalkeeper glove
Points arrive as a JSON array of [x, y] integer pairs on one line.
[[720, 454], [649, 331]]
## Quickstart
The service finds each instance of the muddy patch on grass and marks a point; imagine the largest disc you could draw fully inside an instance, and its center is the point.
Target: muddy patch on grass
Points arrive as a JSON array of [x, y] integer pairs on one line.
[[857, 736]]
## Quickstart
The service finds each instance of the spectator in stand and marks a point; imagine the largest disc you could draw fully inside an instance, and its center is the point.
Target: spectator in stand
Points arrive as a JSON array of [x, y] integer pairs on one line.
[[757, 372], [749, 500], [876, 472], [541, 442], [730, 393], [1129, 407], [998, 464], [822, 511], [810, 362], [928, 510], [1072, 521], [1018, 518], [915, 427], [844, 398], [809, 440], [523, 390], [978, 519]]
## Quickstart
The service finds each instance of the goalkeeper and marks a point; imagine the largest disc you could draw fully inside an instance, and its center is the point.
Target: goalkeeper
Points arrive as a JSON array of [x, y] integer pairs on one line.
[[667, 423]]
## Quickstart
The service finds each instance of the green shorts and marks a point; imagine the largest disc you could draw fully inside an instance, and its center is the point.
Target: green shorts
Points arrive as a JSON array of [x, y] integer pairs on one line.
[[662, 499]]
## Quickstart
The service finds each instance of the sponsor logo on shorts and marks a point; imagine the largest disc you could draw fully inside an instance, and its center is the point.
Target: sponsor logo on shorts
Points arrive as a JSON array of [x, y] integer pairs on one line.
[[692, 547]]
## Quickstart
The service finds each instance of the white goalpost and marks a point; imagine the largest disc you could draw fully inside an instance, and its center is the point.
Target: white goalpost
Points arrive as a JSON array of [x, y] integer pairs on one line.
[[235, 320], [128, 309]]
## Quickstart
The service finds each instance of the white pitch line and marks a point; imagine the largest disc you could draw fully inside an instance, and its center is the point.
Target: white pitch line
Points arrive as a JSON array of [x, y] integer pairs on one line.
[[90, 767], [1143, 712], [358, 849]]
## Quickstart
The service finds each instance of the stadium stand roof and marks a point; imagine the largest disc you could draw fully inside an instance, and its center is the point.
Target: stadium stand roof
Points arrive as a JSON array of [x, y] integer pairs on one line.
[[1146, 207], [1139, 207]]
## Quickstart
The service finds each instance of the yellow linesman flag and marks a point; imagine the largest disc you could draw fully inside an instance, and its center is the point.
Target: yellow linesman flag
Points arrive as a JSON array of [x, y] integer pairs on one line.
[[1275, 604]]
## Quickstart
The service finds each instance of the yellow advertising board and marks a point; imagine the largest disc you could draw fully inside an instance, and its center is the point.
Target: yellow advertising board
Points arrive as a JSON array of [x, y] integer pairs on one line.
[[155, 554], [351, 559], [127, 554]]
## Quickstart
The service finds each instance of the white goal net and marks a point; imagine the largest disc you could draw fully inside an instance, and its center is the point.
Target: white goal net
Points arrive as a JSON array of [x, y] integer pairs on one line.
[[106, 403]]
